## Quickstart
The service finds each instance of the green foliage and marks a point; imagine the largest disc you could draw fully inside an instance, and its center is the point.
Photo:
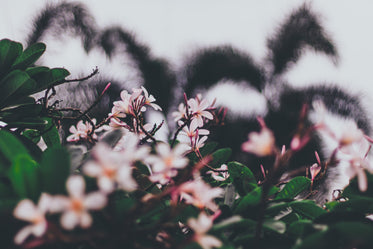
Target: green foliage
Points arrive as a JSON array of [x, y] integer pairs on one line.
[[19, 78]]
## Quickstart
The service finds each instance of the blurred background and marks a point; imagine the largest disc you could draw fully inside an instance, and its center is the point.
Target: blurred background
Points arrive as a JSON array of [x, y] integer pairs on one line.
[[175, 28]]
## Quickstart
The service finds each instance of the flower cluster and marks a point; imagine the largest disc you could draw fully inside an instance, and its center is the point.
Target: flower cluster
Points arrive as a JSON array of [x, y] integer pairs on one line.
[[191, 117]]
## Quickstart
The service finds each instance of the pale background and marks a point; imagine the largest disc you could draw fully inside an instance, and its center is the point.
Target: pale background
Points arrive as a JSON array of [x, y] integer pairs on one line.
[[174, 28]]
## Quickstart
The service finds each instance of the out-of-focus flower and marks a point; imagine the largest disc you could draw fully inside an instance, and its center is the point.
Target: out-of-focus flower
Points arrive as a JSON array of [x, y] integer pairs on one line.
[[220, 176], [110, 170], [199, 110], [27, 211], [314, 171], [356, 155], [75, 207], [165, 164], [81, 131], [201, 226], [260, 144], [200, 194], [180, 113]]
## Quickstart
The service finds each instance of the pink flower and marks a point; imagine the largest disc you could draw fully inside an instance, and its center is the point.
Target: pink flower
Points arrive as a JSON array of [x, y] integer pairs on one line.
[[200, 194], [314, 171], [201, 226], [180, 113], [199, 110], [149, 99], [81, 131], [260, 144], [165, 164], [26, 210], [110, 170], [123, 107], [75, 207]]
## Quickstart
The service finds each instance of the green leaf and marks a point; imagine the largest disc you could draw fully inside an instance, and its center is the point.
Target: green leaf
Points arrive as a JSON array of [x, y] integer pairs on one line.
[[33, 135], [11, 83], [10, 146], [29, 56], [205, 150], [24, 175], [50, 135], [14, 114], [55, 169], [249, 200], [220, 157], [242, 177], [275, 226], [31, 123], [47, 78], [9, 51], [307, 208], [293, 188], [300, 228]]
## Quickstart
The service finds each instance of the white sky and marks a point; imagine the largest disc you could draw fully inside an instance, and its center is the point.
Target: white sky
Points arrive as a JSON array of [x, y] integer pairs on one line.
[[174, 28]]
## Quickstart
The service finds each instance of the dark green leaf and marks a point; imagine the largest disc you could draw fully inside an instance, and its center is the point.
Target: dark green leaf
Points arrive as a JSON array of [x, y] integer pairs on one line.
[[16, 113], [300, 228], [29, 56], [50, 135], [46, 79], [9, 51], [10, 146], [24, 175], [11, 83], [249, 200], [275, 226], [30, 123], [294, 187], [55, 169], [220, 157], [307, 208], [33, 135], [242, 177]]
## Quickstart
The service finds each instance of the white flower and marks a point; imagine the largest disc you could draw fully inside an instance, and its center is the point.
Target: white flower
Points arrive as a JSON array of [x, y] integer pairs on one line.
[[75, 207], [220, 176], [81, 131], [110, 170], [260, 144], [165, 164], [200, 227], [200, 194], [122, 107], [27, 211], [199, 111], [180, 113], [149, 99]]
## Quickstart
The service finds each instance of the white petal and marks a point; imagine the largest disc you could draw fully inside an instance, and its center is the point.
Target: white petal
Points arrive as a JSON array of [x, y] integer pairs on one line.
[[85, 220], [105, 184], [26, 210], [39, 229], [163, 149], [22, 234], [59, 203], [208, 241], [44, 202], [92, 169], [125, 179], [75, 186], [95, 200], [69, 220]]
